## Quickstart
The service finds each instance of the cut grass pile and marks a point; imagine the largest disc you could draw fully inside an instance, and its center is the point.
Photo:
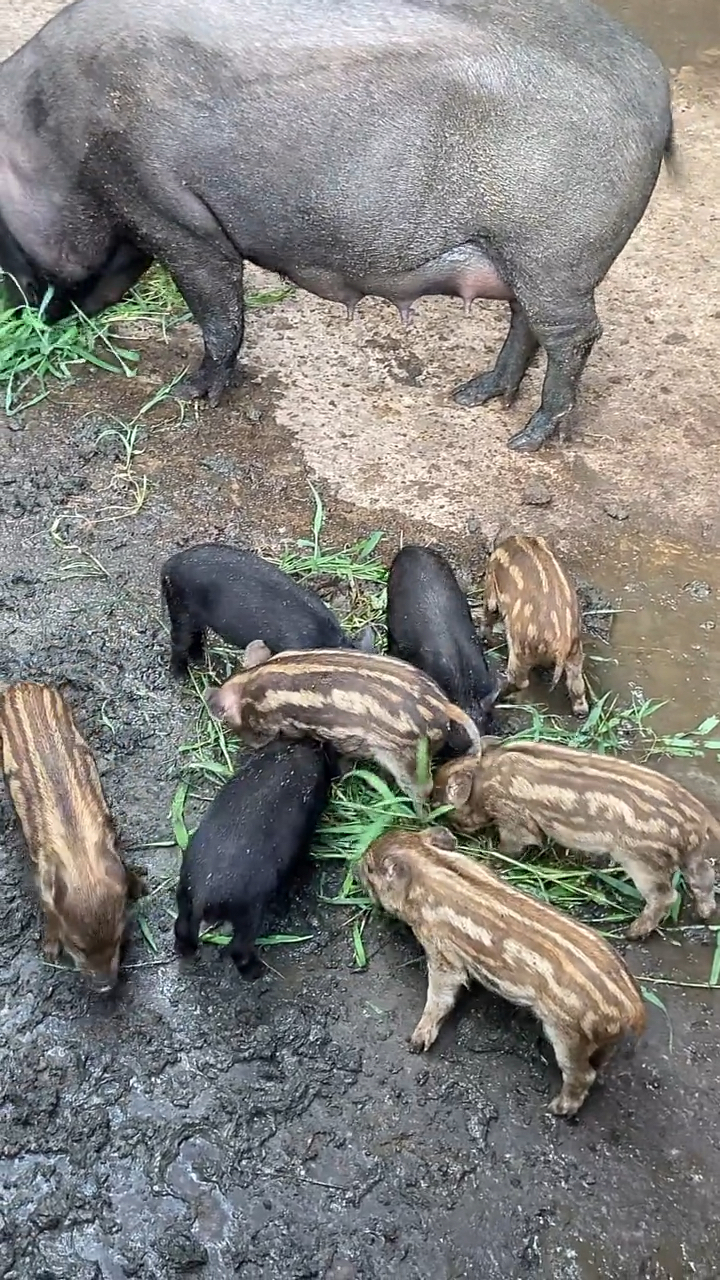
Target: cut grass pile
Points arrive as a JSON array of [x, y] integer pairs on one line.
[[35, 355], [364, 804]]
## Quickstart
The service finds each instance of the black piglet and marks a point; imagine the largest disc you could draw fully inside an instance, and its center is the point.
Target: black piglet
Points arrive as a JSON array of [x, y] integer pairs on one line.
[[243, 598], [254, 834], [429, 624]]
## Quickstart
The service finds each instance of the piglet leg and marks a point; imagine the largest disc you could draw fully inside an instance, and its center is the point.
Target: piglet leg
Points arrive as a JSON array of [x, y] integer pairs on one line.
[[575, 683], [444, 985], [700, 878], [573, 1053], [187, 928], [51, 938], [657, 890]]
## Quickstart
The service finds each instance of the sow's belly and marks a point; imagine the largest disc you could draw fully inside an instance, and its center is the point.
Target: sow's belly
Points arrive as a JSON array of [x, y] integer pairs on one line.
[[465, 272]]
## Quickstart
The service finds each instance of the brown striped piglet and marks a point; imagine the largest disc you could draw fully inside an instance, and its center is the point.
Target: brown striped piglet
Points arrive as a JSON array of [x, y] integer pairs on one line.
[[243, 598], [55, 788], [595, 804], [429, 624], [526, 586], [473, 925], [366, 705], [256, 831]]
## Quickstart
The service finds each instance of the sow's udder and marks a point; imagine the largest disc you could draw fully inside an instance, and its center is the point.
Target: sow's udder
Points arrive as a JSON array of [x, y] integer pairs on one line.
[[465, 272]]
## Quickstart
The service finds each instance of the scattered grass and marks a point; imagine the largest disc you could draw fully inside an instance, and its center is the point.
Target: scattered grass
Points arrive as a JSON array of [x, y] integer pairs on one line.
[[364, 805], [35, 355]]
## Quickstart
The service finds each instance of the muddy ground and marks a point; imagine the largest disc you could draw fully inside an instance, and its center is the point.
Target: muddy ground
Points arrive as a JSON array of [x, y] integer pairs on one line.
[[199, 1126]]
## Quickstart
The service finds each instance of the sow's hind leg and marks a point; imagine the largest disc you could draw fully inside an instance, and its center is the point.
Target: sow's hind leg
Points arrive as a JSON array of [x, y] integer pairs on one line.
[[503, 381], [565, 322]]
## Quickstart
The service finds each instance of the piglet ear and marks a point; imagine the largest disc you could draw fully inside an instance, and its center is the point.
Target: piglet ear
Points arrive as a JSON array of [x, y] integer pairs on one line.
[[441, 838], [395, 871], [222, 702], [458, 787], [255, 654]]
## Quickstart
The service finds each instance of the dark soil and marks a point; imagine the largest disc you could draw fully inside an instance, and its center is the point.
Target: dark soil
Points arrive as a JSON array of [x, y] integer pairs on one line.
[[196, 1125]]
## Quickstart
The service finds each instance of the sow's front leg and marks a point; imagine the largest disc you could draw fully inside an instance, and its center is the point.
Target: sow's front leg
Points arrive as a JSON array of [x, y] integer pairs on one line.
[[213, 290], [208, 270]]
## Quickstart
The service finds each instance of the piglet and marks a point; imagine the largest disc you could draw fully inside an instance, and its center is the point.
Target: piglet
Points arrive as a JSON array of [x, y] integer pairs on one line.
[[597, 804], [255, 832], [54, 785], [473, 925], [366, 705], [429, 624], [243, 598], [527, 587]]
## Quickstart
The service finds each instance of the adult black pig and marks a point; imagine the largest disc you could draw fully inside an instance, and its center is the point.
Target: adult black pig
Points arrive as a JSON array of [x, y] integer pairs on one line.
[[482, 148]]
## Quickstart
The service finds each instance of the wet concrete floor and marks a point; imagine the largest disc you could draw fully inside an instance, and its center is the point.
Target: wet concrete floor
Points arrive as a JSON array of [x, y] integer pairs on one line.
[[196, 1126]]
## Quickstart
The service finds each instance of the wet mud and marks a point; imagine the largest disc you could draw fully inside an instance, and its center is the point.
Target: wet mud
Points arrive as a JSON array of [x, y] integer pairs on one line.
[[197, 1126]]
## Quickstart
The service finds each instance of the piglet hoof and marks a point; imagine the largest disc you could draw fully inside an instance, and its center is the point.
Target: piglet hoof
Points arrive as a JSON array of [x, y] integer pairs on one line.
[[184, 948], [136, 883], [250, 967], [480, 390], [565, 1104], [640, 929], [534, 434], [420, 1040], [51, 950]]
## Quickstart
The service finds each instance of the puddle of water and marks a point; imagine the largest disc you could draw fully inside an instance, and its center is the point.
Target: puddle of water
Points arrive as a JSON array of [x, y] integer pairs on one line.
[[664, 644], [665, 638], [668, 1261], [682, 32]]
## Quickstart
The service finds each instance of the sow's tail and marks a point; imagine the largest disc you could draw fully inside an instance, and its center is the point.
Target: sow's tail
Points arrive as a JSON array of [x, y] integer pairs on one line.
[[670, 153]]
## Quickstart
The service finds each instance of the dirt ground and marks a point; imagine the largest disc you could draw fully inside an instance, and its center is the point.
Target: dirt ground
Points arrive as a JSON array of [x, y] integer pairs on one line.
[[199, 1126]]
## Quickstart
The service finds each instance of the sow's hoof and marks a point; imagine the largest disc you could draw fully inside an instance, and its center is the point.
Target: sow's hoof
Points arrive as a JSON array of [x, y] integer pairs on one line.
[[534, 435], [486, 387], [207, 384]]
